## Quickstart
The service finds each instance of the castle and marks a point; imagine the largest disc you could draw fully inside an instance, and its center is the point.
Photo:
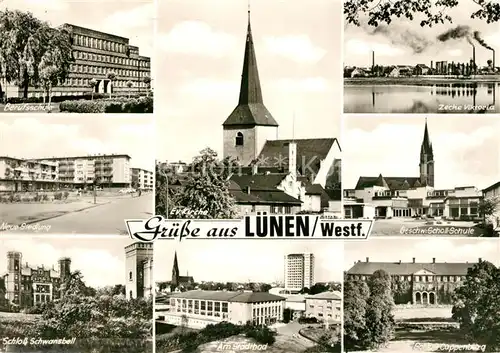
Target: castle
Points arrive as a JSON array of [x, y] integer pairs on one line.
[[26, 286], [417, 283], [139, 270], [411, 196]]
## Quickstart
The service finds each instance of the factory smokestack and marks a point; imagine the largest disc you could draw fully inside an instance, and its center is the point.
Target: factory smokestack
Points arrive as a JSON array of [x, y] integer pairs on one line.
[[493, 59], [473, 59], [373, 60]]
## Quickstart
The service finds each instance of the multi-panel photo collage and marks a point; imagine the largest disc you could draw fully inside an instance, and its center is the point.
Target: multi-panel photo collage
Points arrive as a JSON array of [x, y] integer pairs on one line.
[[235, 176]]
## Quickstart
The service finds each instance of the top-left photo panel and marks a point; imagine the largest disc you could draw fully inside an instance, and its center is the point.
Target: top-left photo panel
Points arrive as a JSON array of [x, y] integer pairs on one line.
[[63, 56]]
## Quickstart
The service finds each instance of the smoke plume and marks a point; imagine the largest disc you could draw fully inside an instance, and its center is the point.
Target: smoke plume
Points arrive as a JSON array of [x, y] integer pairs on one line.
[[458, 32], [404, 37], [477, 37]]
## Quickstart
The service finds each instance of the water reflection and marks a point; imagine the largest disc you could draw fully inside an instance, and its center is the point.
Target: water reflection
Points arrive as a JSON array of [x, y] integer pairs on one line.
[[473, 97]]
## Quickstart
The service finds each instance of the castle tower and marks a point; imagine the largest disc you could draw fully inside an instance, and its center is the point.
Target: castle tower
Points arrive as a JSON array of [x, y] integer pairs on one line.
[[426, 160], [175, 272], [137, 270], [13, 279], [250, 125], [64, 268]]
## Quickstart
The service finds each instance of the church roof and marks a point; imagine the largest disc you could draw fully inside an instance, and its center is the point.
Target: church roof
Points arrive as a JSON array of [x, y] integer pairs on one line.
[[250, 109], [392, 183], [260, 190], [409, 268]]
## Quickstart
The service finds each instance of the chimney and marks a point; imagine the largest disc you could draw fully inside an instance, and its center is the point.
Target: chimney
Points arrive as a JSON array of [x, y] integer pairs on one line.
[[292, 159], [493, 59], [473, 59], [433, 260], [367, 259], [373, 60], [413, 260], [432, 64]]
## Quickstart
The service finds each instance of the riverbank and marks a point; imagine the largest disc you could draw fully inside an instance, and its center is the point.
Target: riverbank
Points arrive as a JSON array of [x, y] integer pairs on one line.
[[420, 81]]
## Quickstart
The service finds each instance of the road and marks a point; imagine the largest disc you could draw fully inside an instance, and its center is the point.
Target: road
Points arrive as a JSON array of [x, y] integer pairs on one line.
[[107, 219]]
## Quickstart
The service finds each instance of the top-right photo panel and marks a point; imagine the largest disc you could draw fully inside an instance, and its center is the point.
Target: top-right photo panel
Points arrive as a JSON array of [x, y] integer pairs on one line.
[[421, 56]]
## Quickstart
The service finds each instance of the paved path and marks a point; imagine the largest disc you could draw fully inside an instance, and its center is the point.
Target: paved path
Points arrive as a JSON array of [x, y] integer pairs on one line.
[[107, 218]]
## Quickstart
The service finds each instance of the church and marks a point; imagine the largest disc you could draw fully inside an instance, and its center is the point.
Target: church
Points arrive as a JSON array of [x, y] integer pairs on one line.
[[179, 281], [276, 175], [382, 197]]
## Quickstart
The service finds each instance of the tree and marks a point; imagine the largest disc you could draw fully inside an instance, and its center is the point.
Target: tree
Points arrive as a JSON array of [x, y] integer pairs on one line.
[[431, 12], [129, 85], [265, 287], [207, 189], [488, 207], [356, 294], [379, 318], [24, 42], [147, 81], [111, 77], [475, 303], [92, 84], [318, 288], [304, 290]]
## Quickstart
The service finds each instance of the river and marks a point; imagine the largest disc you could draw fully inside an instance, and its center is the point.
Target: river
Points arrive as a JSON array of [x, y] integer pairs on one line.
[[457, 98]]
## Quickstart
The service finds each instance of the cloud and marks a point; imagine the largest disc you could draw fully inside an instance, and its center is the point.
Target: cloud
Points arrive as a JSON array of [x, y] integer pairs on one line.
[[88, 261], [360, 47], [455, 52], [197, 38], [36, 6], [210, 89], [305, 85], [47, 138], [297, 48], [137, 17]]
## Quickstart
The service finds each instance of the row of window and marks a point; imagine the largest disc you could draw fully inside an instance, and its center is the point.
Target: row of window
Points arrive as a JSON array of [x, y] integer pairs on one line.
[[102, 44], [421, 278], [85, 82], [266, 311], [202, 304], [111, 59], [91, 69]]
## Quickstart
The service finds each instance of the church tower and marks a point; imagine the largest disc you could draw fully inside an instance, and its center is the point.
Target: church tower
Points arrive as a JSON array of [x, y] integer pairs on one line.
[[426, 160], [175, 272], [250, 125]]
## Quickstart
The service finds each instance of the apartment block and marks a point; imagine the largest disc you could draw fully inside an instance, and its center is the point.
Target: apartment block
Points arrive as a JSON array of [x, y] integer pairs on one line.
[[142, 179], [299, 271], [21, 174]]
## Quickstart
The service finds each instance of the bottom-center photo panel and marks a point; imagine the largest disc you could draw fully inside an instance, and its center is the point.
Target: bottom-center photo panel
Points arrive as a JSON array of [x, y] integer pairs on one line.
[[246, 295]]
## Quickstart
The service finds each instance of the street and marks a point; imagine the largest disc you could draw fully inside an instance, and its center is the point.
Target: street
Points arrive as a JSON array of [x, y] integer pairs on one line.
[[106, 219]]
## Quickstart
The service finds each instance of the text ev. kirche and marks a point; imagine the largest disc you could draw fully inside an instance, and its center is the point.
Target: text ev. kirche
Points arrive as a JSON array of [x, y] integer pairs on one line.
[[252, 227]]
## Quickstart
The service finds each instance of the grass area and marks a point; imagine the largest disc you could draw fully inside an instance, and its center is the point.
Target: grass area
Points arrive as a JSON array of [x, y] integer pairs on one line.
[[14, 317], [422, 314], [283, 344]]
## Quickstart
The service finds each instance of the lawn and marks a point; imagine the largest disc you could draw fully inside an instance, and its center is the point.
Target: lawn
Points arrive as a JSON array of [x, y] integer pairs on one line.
[[419, 314], [283, 344]]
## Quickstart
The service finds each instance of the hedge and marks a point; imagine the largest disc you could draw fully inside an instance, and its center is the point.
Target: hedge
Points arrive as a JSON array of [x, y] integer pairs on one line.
[[114, 105], [59, 99]]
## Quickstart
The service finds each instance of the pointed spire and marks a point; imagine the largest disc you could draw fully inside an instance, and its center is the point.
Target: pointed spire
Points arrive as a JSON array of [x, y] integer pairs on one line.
[[426, 142], [250, 90], [175, 268]]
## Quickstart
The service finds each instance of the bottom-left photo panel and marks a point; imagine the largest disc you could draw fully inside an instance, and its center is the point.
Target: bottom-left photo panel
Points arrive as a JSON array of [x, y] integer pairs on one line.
[[72, 294]]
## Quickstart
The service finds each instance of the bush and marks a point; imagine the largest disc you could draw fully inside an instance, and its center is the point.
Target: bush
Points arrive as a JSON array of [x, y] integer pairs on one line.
[[263, 335], [65, 195], [308, 320], [55, 99], [114, 105], [58, 195]]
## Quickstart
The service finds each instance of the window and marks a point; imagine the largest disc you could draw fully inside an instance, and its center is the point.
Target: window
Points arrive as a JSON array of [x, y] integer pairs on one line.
[[239, 139]]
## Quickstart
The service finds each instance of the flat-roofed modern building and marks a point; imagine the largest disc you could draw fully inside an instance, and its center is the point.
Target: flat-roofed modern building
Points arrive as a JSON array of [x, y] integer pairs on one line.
[[142, 179], [326, 306], [492, 193], [299, 271], [197, 308], [95, 55], [111, 171]]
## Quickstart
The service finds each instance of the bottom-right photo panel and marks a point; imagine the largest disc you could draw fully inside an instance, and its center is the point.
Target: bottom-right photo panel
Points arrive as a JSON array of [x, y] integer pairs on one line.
[[425, 295]]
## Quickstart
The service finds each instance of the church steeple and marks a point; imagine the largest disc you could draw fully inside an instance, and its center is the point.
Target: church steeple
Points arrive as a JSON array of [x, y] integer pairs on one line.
[[175, 272], [426, 159]]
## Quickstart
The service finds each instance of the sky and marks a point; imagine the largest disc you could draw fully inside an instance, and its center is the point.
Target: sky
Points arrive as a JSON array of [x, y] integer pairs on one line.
[[466, 150], [77, 135], [133, 19], [200, 47], [244, 260], [101, 260], [389, 50], [423, 250]]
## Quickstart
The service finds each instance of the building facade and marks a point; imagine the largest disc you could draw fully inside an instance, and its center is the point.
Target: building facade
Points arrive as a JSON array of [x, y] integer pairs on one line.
[[299, 271], [326, 306], [139, 281], [417, 283], [27, 286], [110, 171], [142, 179], [403, 197], [197, 309], [492, 193], [95, 55]]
